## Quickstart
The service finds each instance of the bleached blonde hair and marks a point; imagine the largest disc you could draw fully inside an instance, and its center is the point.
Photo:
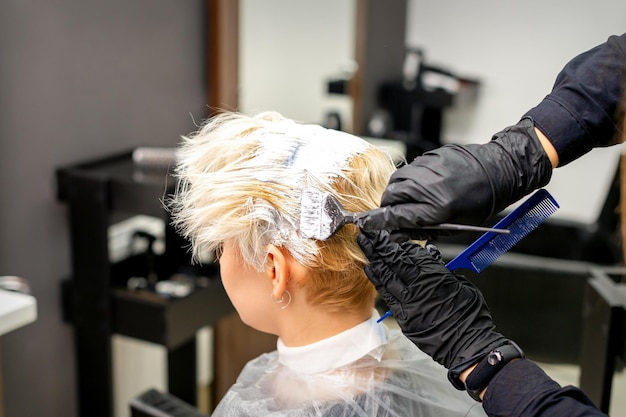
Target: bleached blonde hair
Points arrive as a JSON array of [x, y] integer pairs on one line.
[[241, 178]]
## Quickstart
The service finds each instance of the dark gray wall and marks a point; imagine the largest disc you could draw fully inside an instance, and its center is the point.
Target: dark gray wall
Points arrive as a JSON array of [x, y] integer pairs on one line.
[[79, 79]]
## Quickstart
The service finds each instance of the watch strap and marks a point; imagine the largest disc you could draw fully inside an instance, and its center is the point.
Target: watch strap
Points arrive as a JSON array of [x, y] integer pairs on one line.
[[489, 366]]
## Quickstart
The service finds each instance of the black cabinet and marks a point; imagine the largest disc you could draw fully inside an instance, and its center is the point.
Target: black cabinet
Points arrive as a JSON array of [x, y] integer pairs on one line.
[[96, 299], [603, 349]]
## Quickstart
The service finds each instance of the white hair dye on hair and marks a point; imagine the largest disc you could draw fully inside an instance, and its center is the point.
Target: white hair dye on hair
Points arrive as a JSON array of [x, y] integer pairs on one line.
[[306, 151], [309, 156], [311, 148], [242, 179]]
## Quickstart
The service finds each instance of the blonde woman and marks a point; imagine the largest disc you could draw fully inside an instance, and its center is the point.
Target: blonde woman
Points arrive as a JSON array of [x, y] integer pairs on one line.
[[240, 196]]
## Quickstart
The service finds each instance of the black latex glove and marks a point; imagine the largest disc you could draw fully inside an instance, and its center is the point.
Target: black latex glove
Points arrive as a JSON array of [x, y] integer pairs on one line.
[[443, 313], [463, 184]]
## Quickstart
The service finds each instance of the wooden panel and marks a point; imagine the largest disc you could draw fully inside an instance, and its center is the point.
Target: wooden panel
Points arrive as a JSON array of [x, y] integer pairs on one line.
[[235, 344], [222, 55]]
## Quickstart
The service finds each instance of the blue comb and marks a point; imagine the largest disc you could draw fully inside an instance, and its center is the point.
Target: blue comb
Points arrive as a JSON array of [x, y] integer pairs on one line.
[[490, 246], [521, 221]]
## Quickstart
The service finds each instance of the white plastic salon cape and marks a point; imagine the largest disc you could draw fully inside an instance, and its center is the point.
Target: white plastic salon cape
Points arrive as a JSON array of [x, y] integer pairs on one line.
[[367, 371]]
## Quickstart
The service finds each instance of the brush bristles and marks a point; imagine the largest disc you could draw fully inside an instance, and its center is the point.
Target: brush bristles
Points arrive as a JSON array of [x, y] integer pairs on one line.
[[321, 215]]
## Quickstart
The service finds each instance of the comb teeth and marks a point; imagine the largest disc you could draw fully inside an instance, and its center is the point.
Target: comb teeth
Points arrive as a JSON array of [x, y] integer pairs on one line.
[[521, 221], [519, 229]]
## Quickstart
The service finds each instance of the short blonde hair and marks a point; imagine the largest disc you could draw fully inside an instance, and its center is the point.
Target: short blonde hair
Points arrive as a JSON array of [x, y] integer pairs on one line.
[[241, 178]]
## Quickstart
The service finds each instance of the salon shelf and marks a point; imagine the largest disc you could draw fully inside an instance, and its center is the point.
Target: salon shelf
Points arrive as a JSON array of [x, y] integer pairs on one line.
[[96, 299], [170, 322], [129, 188], [152, 317]]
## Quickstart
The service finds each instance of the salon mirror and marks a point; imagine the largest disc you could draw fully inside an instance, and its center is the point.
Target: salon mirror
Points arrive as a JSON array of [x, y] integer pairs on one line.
[[343, 64], [289, 51]]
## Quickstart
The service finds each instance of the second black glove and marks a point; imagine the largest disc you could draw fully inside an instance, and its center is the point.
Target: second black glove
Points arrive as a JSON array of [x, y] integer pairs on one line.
[[443, 313]]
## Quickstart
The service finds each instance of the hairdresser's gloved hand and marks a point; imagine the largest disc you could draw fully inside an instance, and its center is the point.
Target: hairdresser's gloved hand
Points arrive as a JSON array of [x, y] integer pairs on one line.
[[463, 184], [443, 313]]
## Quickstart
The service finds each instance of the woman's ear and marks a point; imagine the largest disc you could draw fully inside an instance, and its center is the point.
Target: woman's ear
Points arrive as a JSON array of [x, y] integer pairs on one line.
[[277, 270]]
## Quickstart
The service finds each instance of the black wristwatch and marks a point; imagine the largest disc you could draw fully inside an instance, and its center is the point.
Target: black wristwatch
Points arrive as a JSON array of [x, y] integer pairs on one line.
[[489, 366]]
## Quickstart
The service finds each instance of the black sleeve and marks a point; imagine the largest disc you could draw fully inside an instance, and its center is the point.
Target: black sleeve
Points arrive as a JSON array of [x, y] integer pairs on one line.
[[582, 110], [523, 389]]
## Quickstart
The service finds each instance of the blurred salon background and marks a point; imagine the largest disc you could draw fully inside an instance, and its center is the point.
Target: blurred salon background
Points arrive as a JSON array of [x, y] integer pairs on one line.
[[84, 80]]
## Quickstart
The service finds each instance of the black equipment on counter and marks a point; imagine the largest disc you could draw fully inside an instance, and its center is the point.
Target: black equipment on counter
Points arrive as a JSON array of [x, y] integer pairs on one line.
[[414, 104], [153, 403]]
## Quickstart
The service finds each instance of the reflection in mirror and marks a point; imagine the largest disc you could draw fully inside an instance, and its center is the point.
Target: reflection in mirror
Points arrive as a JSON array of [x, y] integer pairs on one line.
[[288, 53]]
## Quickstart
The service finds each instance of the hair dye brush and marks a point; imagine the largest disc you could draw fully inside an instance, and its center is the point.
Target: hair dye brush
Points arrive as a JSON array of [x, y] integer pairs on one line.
[[322, 215]]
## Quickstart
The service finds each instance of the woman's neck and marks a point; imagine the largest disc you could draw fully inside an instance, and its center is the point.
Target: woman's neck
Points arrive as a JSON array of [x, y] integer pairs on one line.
[[316, 324]]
